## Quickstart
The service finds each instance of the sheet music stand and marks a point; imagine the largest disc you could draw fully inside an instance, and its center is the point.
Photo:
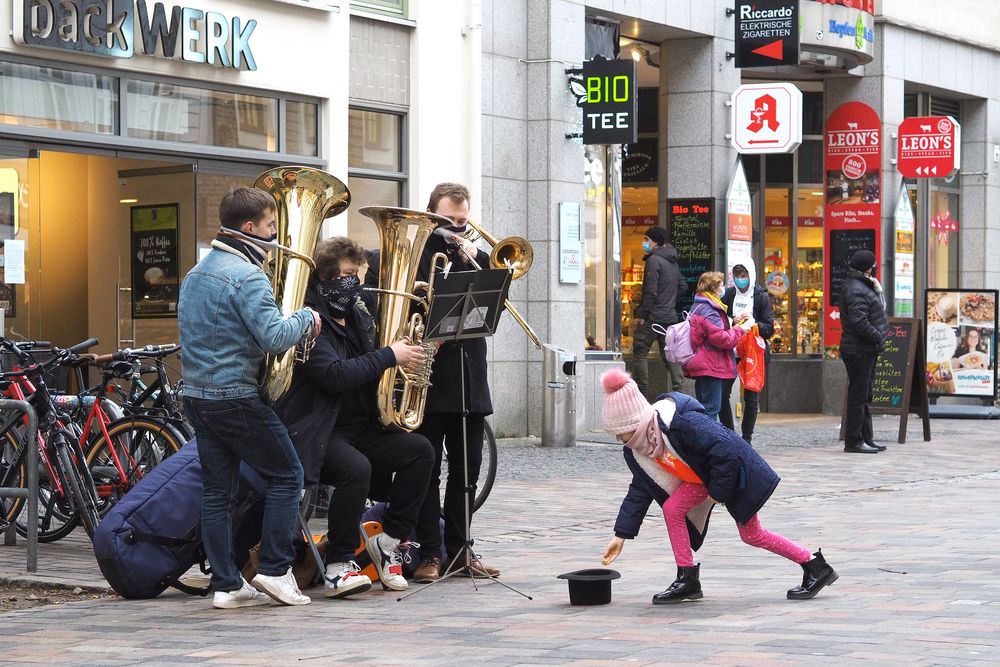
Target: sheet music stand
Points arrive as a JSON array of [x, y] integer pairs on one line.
[[466, 305]]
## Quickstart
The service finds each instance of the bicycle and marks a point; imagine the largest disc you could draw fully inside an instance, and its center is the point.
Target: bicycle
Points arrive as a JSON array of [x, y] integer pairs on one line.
[[159, 398], [67, 495]]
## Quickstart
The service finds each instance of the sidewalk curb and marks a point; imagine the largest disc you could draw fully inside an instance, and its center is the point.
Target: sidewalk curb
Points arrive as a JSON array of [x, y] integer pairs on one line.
[[36, 580]]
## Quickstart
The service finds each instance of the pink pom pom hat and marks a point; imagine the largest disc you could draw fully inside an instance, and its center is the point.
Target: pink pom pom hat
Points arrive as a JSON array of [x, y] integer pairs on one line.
[[624, 405]]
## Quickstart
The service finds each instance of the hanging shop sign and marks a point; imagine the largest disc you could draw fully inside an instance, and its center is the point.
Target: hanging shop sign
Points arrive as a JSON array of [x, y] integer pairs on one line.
[[123, 28], [610, 102], [739, 221], [767, 33], [843, 31], [155, 283], [766, 118], [902, 293], [689, 230], [853, 210], [928, 147], [961, 342]]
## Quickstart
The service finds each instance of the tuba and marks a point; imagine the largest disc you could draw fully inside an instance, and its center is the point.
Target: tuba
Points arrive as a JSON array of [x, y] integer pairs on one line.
[[304, 198], [402, 392]]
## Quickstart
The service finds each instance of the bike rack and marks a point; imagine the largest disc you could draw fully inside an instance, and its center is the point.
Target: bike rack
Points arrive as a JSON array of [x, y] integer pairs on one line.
[[31, 492]]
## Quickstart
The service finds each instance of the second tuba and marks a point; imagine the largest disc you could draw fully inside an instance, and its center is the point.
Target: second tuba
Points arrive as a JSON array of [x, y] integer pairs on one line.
[[304, 197], [403, 233]]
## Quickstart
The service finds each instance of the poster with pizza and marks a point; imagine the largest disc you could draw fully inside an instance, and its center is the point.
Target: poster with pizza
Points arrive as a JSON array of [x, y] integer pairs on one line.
[[853, 211]]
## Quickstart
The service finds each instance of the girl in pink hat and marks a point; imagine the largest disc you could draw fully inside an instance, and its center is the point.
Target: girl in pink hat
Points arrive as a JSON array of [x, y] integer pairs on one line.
[[686, 461]]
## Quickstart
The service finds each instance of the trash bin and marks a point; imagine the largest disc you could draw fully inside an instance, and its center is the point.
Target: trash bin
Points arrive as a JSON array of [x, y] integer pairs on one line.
[[558, 397]]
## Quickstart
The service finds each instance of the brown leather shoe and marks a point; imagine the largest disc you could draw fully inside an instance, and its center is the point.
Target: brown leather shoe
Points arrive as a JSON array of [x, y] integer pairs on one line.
[[480, 569], [429, 570]]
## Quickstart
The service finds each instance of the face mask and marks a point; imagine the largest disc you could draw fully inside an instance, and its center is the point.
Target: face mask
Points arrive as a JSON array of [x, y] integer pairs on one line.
[[264, 239], [742, 283], [340, 293], [454, 229], [721, 291], [647, 247]]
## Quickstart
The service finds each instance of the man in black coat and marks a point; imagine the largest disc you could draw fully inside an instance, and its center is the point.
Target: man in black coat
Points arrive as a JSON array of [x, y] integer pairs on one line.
[[332, 418], [864, 322], [662, 283]]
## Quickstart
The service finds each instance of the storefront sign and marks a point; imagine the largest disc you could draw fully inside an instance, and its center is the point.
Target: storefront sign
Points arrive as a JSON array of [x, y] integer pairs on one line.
[[639, 162], [845, 29], [928, 147], [766, 118], [853, 210], [902, 294], [767, 33], [739, 221], [154, 261], [570, 243], [689, 230], [610, 108], [961, 342], [109, 28]]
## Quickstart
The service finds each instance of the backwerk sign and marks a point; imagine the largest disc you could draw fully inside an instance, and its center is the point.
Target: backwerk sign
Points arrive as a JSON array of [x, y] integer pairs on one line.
[[109, 28], [767, 33]]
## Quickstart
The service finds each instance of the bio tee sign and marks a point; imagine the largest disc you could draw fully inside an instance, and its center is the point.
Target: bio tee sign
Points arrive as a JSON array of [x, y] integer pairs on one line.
[[853, 211], [929, 147], [611, 102]]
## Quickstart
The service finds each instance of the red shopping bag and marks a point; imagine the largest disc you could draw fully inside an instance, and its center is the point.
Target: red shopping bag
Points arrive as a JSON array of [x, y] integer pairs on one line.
[[751, 369]]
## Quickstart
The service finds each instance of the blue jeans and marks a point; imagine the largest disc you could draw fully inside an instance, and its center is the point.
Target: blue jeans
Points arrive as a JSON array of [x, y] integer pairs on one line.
[[230, 431], [708, 391]]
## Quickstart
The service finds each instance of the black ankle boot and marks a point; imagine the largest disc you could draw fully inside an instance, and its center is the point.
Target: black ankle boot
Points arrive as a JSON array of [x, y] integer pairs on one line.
[[816, 575], [687, 587]]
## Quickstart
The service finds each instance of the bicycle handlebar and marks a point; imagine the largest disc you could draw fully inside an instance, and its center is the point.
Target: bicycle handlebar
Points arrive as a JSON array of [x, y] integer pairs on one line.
[[85, 345]]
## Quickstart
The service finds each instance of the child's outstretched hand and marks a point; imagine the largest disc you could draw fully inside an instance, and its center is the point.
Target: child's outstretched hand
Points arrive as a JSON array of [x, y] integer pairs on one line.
[[612, 550]]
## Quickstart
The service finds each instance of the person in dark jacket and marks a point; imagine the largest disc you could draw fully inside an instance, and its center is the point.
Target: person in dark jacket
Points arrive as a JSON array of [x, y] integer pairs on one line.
[[864, 322], [662, 283], [711, 463], [333, 420], [747, 298]]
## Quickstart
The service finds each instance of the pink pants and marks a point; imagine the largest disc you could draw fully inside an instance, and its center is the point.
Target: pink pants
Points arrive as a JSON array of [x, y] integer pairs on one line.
[[688, 496]]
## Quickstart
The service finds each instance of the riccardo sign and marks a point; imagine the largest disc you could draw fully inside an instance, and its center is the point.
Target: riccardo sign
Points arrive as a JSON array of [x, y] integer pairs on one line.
[[123, 28]]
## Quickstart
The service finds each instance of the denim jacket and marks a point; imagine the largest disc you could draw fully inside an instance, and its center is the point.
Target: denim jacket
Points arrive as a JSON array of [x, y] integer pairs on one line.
[[228, 320]]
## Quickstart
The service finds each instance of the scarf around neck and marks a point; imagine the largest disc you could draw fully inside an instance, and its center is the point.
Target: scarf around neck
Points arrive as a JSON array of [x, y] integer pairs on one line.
[[714, 298]]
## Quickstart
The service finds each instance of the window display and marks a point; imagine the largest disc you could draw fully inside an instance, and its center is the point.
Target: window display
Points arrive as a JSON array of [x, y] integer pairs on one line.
[[809, 272], [777, 245]]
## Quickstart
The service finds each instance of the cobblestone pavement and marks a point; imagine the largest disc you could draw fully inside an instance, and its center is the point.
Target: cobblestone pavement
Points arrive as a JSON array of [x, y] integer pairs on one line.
[[911, 531]]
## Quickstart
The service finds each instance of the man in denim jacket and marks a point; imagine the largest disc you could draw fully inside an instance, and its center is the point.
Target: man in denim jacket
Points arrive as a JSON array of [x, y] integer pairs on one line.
[[228, 321]]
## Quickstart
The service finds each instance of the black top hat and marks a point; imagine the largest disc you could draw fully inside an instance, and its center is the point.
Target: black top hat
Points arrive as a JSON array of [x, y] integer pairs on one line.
[[589, 587]]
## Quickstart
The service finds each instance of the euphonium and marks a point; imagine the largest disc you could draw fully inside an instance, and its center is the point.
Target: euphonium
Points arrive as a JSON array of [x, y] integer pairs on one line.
[[402, 392], [304, 198]]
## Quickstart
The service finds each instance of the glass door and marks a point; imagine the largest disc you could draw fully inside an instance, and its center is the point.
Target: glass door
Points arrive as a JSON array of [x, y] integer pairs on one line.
[[16, 170]]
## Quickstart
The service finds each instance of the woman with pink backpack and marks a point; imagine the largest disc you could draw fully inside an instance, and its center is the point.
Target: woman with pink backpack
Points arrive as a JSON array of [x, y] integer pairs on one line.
[[713, 339]]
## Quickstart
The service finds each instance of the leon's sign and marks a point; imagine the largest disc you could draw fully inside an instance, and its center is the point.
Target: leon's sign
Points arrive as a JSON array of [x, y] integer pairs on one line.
[[109, 28]]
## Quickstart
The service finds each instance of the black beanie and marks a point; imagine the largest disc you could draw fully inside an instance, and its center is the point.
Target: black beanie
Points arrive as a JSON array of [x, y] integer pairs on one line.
[[863, 260], [657, 235]]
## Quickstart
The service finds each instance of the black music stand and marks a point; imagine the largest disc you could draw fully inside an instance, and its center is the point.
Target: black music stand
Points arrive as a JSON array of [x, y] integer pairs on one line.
[[466, 304]]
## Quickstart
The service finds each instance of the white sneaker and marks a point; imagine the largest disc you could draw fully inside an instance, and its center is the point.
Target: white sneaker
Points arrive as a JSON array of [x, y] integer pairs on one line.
[[283, 588], [245, 596], [344, 579], [387, 556]]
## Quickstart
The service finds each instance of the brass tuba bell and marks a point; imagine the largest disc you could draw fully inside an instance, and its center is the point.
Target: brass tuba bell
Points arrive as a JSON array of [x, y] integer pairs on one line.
[[304, 197]]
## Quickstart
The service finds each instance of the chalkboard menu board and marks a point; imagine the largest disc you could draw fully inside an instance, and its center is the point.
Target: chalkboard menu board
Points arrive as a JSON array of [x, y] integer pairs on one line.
[[899, 387], [689, 230], [843, 244]]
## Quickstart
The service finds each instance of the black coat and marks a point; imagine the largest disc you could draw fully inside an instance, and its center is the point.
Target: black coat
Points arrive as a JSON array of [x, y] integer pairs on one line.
[[641, 492], [311, 406], [732, 471], [445, 393], [762, 313], [662, 283], [862, 315]]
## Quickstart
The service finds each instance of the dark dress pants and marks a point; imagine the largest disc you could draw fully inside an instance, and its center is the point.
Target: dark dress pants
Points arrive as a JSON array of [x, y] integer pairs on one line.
[[858, 421]]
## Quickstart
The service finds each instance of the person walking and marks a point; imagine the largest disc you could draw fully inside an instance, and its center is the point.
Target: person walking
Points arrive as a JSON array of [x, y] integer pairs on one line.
[[747, 299], [865, 325], [228, 320], [713, 339], [704, 462], [662, 283]]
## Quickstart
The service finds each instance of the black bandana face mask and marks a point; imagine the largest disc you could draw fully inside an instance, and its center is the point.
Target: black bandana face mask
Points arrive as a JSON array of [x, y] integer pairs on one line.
[[340, 293]]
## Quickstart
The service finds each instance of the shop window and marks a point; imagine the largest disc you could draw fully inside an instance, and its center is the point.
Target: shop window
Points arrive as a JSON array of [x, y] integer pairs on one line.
[[811, 161], [396, 8], [169, 112], [812, 112], [776, 270], [602, 259], [56, 99], [301, 128], [809, 271], [942, 242], [374, 140], [375, 170], [368, 192]]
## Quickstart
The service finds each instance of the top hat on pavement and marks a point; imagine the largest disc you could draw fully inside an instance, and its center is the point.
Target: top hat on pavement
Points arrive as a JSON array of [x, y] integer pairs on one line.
[[590, 587]]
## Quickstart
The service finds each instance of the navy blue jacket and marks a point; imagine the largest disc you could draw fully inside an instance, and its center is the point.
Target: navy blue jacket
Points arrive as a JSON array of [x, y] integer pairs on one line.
[[312, 404], [732, 471], [641, 492]]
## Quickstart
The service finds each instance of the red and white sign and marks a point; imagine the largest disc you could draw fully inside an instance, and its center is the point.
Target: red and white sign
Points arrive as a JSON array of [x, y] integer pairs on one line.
[[853, 211], [766, 118], [929, 147]]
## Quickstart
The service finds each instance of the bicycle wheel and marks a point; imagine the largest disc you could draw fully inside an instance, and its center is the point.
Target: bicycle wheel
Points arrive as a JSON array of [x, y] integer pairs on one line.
[[487, 471], [56, 517], [86, 510], [140, 443], [17, 479]]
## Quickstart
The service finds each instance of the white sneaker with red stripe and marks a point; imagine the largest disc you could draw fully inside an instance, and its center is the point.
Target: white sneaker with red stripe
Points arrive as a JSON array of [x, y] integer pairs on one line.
[[344, 579], [387, 555]]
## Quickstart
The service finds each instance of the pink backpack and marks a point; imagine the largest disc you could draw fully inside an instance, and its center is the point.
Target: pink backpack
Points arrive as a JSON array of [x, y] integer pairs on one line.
[[676, 341]]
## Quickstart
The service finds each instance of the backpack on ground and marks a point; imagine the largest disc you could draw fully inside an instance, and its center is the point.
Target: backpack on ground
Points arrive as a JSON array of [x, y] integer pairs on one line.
[[676, 341], [152, 536]]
